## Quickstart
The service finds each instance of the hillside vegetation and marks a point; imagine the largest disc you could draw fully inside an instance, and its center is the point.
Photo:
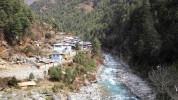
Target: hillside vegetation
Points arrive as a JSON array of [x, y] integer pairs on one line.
[[67, 13], [15, 20], [19, 29]]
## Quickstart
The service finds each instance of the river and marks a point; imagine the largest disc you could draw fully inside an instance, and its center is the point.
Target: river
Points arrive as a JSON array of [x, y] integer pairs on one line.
[[115, 82], [114, 90]]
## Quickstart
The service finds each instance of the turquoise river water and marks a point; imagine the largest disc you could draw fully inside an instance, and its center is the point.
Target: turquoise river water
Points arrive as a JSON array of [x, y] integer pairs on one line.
[[108, 79]]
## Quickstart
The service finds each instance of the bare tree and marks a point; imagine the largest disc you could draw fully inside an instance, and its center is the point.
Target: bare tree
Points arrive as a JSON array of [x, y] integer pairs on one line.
[[163, 78]]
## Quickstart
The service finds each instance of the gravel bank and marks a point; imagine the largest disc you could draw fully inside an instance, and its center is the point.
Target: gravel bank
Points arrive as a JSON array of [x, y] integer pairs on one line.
[[137, 85], [15, 94], [22, 71], [90, 92], [22, 74]]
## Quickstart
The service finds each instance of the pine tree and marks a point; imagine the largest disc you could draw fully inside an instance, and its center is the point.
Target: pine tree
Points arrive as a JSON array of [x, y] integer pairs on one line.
[[3, 18], [96, 48]]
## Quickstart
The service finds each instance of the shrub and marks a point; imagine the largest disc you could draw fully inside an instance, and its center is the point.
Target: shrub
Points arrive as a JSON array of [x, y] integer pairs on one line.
[[18, 86], [96, 48], [13, 82], [72, 87], [29, 94], [46, 91], [49, 98], [163, 96], [27, 49], [9, 97], [48, 36], [80, 70], [4, 81], [58, 86], [80, 58], [45, 74], [38, 79], [90, 65], [31, 76], [77, 46], [29, 88], [55, 73], [38, 51], [69, 76], [35, 37]]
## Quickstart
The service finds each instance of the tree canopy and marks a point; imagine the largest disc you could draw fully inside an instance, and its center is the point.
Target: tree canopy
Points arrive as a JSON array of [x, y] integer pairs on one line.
[[15, 20]]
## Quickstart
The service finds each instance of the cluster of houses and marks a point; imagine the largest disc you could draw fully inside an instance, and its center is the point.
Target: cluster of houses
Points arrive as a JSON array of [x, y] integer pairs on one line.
[[64, 49]]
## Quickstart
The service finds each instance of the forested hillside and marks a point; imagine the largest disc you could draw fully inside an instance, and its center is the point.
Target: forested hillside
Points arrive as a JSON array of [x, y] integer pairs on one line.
[[144, 32], [15, 20], [68, 13]]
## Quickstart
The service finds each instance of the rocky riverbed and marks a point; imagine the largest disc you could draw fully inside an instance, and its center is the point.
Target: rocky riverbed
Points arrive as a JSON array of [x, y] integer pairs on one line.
[[90, 92], [137, 85], [115, 82]]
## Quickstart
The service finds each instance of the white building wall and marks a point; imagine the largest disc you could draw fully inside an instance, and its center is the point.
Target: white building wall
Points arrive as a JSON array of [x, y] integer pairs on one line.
[[62, 49], [58, 47]]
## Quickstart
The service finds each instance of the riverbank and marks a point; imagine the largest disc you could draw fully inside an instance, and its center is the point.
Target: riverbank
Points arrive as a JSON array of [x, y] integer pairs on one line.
[[122, 77], [137, 85], [90, 92], [131, 79]]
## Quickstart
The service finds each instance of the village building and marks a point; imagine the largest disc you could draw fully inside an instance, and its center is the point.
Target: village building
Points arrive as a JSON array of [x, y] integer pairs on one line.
[[72, 41], [62, 47], [57, 56], [63, 50], [85, 45], [41, 63], [62, 56], [45, 63]]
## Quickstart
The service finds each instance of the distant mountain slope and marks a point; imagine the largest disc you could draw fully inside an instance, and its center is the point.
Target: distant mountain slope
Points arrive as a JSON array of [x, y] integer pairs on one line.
[[66, 12], [29, 2]]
